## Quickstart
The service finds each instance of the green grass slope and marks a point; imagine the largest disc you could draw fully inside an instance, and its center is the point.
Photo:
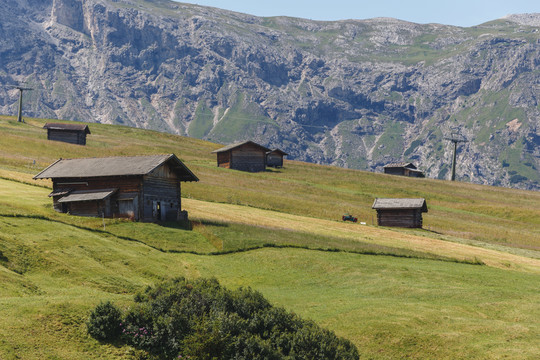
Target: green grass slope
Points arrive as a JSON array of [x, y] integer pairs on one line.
[[478, 214], [395, 293]]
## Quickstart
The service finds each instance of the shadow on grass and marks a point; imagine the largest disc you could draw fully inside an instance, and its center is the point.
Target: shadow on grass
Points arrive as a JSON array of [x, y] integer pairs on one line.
[[210, 223], [180, 225], [272, 170]]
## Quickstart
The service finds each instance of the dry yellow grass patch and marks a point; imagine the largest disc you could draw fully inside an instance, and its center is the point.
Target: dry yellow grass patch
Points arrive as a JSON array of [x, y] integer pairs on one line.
[[24, 177], [369, 234]]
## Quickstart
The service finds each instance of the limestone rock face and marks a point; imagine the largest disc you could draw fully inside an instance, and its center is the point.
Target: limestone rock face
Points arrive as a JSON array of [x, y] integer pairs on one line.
[[352, 93]]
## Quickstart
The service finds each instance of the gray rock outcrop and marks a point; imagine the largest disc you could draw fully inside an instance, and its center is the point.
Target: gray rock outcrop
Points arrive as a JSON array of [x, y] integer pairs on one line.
[[352, 93]]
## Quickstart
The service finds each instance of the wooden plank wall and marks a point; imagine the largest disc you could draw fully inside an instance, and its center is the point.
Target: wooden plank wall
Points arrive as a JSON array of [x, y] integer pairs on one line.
[[401, 171], [394, 171], [56, 205], [411, 173], [129, 208], [72, 137], [161, 186], [409, 218], [248, 158], [91, 208], [162, 190], [224, 159], [274, 160], [124, 184], [86, 208]]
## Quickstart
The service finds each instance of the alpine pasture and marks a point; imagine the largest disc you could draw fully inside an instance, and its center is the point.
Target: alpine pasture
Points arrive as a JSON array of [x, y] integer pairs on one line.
[[466, 286]]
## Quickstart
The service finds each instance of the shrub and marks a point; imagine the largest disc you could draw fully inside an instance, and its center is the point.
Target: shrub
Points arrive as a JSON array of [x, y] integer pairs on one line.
[[104, 323], [207, 341], [155, 328], [313, 342], [203, 320], [250, 347], [246, 302], [514, 179]]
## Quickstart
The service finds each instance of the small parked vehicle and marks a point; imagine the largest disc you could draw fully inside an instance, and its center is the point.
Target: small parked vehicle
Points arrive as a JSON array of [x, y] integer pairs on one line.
[[349, 217]]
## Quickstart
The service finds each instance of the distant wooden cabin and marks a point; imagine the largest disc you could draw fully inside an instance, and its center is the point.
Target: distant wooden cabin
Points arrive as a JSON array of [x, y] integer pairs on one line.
[[403, 169], [274, 158], [145, 188], [245, 156], [70, 133], [400, 212]]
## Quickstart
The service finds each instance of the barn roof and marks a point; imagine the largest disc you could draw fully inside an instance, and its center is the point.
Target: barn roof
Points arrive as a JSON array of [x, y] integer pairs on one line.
[[67, 127], [234, 146], [114, 166], [396, 204], [87, 195], [60, 192], [278, 151], [401, 165]]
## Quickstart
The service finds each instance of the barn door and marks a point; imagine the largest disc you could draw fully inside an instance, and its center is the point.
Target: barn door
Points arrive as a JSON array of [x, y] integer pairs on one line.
[[157, 211], [126, 208]]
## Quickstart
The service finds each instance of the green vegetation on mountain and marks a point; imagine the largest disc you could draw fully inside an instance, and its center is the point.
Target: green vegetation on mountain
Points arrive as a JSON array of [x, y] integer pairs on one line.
[[465, 286], [203, 122], [242, 117]]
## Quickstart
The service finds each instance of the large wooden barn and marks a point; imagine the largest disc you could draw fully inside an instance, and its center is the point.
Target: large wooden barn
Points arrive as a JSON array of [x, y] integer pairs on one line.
[[70, 133], [274, 158], [245, 156], [142, 188], [400, 212], [403, 169]]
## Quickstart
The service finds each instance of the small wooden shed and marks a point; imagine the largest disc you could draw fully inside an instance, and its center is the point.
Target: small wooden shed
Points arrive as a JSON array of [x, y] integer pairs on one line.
[[244, 156], [403, 169], [400, 212], [70, 133], [145, 188], [274, 158]]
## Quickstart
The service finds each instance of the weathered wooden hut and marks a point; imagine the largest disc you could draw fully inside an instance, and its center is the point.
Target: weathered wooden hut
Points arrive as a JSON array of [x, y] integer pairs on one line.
[[400, 212], [403, 169], [274, 158], [70, 133], [245, 156], [145, 188]]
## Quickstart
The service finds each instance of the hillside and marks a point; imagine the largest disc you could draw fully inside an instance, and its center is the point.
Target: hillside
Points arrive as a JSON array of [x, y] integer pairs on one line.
[[494, 215], [358, 94], [463, 287]]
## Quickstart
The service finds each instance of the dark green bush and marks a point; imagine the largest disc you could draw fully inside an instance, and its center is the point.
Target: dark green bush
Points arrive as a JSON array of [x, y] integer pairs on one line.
[[514, 179], [104, 323], [251, 347], [203, 320], [208, 340], [247, 303], [313, 342]]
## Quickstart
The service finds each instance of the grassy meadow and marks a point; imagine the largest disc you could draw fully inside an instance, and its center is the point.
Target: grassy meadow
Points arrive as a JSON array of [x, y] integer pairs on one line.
[[466, 286]]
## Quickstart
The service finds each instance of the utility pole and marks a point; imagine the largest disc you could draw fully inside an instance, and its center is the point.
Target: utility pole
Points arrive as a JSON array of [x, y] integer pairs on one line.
[[21, 89], [455, 138], [19, 116]]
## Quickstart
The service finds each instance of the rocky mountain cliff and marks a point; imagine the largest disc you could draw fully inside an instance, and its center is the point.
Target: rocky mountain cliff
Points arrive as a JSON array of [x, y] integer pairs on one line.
[[352, 93]]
